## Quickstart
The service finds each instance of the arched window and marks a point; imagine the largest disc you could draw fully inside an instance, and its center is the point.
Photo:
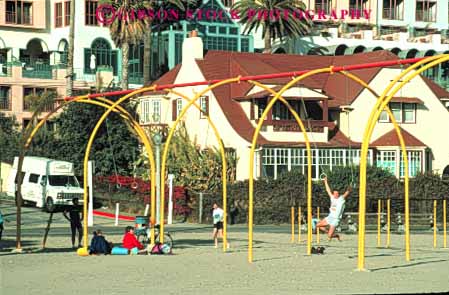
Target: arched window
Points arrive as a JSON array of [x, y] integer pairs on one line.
[[104, 56], [63, 49]]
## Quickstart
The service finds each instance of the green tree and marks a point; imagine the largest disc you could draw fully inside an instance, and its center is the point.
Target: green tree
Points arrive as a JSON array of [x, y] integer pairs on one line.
[[9, 138], [115, 147], [195, 169], [273, 28]]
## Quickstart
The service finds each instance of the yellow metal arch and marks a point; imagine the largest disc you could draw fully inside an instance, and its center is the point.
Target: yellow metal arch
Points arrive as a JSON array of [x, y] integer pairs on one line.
[[309, 164], [165, 155], [147, 144], [375, 113], [123, 113], [309, 173], [396, 127], [223, 160]]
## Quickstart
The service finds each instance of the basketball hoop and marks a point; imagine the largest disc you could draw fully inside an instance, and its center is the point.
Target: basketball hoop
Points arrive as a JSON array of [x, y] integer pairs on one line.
[[323, 176]]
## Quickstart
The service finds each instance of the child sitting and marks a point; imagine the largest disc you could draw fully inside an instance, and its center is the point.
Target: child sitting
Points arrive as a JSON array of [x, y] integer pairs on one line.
[[131, 243], [99, 245]]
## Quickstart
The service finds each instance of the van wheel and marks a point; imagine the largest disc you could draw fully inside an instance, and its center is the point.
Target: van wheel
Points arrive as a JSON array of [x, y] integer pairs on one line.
[[50, 205]]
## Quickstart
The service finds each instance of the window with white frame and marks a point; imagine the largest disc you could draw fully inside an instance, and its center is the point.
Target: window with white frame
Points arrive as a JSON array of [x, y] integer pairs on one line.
[[204, 105], [409, 112], [387, 160], [178, 107], [156, 114], [403, 113], [145, 111], [396, 110], [278, 160], [414, 163], [150, 111]]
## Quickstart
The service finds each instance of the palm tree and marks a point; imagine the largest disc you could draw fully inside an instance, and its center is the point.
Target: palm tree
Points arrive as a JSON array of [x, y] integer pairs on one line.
[[69, 77], [273, 28], [126, 30]]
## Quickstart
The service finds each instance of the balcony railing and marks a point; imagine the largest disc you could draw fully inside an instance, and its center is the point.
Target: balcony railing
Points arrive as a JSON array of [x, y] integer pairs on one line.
[[79, 75], [135, 78], [5, 69], [392, 13], [425, 16], [292, 126], [37, 70], [48, 108], [10, 17], [5, 101]]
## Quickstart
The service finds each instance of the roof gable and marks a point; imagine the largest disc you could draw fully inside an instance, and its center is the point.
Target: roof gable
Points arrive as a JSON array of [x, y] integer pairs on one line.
[[391, 139]]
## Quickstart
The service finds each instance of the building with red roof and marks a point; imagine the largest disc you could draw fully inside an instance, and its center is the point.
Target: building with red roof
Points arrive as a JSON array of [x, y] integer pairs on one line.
[[333, 108]]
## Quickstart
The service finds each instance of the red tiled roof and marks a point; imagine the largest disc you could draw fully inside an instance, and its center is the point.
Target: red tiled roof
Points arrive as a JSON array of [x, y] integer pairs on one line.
[[224, 64], [167, 78], [391, 139], [436, 89], [407, 99]]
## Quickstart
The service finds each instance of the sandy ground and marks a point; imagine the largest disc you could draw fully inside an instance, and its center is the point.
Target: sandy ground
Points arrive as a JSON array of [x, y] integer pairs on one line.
[[279, 267]]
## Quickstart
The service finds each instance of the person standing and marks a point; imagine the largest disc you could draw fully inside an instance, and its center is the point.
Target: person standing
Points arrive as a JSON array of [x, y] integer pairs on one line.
[[1, 225], [335, 211], [218, 217], [75, 217]]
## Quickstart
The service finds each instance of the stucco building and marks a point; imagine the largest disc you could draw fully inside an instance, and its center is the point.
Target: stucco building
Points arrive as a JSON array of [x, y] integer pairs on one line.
[[333, 108]]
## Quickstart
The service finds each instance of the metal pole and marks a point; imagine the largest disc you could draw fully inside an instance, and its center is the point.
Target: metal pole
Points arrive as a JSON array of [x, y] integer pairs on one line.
[[117, 209], [388, 223], [299, 224], [170, 199], [444, 225], [200, 209], [317, 229], [90, 215], [379, 211], [293, 223], [434, 223], [158, 181]]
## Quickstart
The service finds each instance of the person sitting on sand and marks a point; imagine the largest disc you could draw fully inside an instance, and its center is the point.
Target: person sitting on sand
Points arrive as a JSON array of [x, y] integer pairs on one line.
[[131, 243], [99, 245]]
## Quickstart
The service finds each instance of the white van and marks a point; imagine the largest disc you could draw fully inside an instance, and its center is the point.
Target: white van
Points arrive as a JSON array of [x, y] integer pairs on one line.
[[47, 183]]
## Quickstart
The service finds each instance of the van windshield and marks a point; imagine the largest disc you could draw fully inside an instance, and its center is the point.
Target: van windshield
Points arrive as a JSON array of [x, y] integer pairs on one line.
[[63, 180]]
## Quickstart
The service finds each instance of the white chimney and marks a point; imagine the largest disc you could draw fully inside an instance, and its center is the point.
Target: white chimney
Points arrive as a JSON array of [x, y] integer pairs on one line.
[[192, 48]]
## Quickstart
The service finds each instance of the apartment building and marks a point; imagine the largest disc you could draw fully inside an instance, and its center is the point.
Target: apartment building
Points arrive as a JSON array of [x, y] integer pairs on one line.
[[34, 44]]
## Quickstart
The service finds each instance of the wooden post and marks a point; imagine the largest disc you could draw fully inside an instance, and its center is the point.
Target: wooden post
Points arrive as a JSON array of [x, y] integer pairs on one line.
[[47, 230]]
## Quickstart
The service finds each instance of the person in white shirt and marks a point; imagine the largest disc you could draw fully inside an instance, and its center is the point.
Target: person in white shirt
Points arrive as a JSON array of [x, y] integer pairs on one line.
[[335, 211], [217, 215]]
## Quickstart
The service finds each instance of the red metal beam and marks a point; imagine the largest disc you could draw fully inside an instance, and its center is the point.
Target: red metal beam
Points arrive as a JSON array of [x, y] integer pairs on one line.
[[265, 77]]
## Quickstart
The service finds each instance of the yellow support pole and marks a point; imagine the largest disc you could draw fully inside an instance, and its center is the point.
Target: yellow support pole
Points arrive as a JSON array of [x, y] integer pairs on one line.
[[444, 225], [434, 223], [86, 159], [364, 152], [388, 223], [379, 212], [278, 96], [222, 152], [299, 224], [293, 224]]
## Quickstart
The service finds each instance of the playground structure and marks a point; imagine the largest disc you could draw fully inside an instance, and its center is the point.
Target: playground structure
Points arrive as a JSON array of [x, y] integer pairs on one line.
[[418, 66]]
